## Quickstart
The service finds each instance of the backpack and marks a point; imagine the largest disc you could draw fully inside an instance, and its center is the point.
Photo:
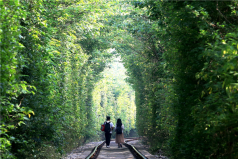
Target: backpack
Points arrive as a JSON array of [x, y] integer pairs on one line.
[[107, 128], [102, 127], [119, 130]]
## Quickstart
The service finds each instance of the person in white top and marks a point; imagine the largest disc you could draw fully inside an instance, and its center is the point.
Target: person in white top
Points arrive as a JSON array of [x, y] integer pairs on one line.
[[108, 131], [119, 133]]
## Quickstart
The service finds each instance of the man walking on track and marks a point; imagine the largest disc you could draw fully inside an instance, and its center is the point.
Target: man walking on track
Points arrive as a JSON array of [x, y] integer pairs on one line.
[[108, 131]]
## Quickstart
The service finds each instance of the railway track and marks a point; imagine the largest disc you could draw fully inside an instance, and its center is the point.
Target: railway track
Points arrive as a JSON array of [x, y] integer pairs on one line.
[[137, 154]]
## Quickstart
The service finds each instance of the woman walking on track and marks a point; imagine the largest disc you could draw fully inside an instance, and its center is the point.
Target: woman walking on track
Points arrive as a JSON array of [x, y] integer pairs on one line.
[[119, 133]]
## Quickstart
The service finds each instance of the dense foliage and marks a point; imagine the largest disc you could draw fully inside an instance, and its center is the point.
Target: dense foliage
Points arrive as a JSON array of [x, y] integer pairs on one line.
[[58, 82], [184, 73], [51, 56]]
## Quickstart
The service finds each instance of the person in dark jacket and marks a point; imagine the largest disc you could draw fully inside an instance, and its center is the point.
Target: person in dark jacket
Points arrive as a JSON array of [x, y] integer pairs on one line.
[[108, 133]]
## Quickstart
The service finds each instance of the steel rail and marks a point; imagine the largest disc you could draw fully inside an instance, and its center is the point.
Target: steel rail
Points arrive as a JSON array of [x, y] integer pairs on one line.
[[137, 154], [95, 151]]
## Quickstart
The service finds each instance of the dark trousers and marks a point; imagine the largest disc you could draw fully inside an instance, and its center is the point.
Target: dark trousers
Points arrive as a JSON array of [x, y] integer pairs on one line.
[[108, 138]]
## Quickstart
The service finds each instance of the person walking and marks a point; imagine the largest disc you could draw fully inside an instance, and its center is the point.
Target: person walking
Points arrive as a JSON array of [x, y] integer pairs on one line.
[[108, 131], [119, 133]]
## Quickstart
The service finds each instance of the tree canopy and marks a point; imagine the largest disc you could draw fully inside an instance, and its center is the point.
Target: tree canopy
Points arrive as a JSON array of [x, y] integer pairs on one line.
[[62, 73]]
